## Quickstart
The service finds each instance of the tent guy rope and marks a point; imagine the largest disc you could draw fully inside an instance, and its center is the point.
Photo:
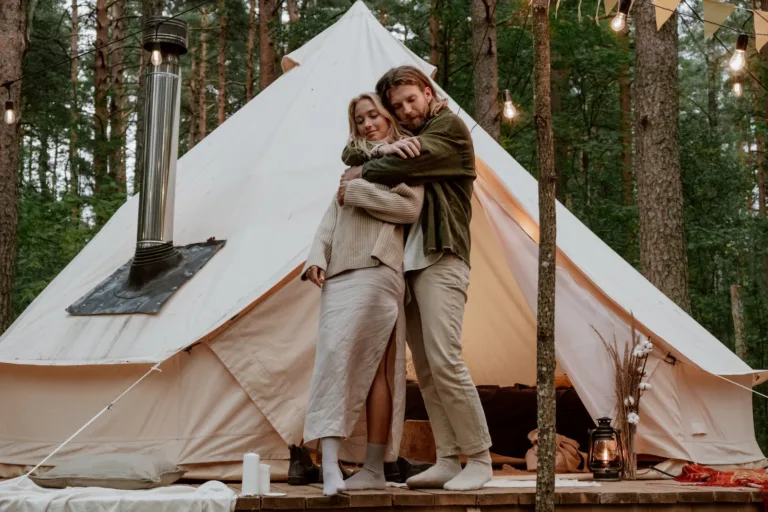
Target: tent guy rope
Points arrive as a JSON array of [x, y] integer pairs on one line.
[[155, 368]]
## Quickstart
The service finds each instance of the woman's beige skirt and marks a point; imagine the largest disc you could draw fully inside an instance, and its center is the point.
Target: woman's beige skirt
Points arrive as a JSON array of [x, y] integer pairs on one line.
[[358, 311]]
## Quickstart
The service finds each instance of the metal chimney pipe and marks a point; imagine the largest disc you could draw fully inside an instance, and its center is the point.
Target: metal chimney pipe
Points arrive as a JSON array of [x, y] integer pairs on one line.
[[166, 39]]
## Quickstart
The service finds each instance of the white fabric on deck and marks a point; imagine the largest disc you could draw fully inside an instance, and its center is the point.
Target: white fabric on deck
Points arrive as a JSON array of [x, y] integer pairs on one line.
[[23, 495]]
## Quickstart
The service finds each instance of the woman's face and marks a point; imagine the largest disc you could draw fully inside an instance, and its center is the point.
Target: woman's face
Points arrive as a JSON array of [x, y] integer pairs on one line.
[[370, 123]]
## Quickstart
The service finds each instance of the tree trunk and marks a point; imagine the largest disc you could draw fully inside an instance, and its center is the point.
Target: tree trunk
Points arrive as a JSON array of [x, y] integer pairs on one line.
[[222, 87], [117, 107], [202, 108], [560, 84], [486, 76], [293, 11], [249, 58], [737, 311], [434, 33], [101, 81], [74, 188], [13, 26], [545, 317], [267, 17], [192, 99], [761, 190], [625, 104], [659, 188], [44, 165], [713, 85]]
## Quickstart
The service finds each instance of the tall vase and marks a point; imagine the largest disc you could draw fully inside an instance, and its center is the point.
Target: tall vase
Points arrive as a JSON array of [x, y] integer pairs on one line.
[[630, 456]]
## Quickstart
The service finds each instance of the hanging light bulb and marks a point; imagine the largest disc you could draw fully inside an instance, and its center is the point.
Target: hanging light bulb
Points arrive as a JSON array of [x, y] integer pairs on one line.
[[157, 56], [737, 88], [509, 108], [739, 59], [10, 114], [619, 22]]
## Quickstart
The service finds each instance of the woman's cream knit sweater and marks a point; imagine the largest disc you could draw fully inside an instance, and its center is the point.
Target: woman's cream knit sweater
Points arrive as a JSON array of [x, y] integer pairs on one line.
[[367, 230]]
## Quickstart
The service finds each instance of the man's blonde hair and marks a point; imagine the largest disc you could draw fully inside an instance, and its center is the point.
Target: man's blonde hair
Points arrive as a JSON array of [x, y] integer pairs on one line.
[[408, 75], [358, 141]]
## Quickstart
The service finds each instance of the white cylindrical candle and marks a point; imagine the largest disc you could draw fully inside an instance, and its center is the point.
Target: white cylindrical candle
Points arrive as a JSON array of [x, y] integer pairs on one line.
[[264, 477], [251, 462]]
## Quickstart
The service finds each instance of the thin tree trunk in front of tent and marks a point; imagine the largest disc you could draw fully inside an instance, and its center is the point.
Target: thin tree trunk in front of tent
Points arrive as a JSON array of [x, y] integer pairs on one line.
[[545, 316], [737, 312], [267, 17], [222, 86], [293, 11], [192, 98], [434, 33], [117, 107], [251, 44], [486, 75], [13, 26], [101, 85], [663, 254], [74, 188], [202, 84]]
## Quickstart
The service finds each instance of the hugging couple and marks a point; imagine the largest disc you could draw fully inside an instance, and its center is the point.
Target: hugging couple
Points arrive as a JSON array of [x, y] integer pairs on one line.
[[391, 256]]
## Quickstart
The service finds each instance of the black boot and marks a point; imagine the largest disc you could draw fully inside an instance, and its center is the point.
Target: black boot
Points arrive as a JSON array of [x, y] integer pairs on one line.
[[392, 472], [302, 471]]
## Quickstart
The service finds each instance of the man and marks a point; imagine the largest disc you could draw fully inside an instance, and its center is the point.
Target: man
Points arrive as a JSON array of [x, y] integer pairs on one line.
[[441, 157]]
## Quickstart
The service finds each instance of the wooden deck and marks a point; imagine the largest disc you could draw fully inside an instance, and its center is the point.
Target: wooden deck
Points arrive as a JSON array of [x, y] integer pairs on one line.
[[650, 495]]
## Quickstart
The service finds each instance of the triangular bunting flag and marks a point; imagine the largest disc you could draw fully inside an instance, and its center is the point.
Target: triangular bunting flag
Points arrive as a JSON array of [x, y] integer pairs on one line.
[[715, 13], [761, 29], [664, 10], [609, 5]]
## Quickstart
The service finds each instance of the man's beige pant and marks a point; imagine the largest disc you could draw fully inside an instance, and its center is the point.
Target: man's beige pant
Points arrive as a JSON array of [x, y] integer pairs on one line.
[[434, 318]]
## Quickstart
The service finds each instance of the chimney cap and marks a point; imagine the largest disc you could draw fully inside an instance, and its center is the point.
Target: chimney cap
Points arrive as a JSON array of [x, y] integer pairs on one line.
[[170, 33]]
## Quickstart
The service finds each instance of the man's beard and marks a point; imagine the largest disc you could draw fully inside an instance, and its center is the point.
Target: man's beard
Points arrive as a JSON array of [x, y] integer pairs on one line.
[[417, 123]]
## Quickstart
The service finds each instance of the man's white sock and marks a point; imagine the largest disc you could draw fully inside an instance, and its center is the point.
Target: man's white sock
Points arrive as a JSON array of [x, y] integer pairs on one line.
[[475, 474], [436, 477]]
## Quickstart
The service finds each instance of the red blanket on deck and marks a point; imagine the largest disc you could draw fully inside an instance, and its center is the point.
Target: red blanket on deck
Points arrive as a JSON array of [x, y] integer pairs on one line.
[[730, 478]]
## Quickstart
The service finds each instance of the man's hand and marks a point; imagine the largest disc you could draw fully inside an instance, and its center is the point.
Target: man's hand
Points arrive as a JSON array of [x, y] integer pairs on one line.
[[316, 275], [405, 148], [340, 194], [350, 174]]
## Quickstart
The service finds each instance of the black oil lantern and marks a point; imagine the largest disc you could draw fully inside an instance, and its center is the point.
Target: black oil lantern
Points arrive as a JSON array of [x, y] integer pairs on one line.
[[605, 451]]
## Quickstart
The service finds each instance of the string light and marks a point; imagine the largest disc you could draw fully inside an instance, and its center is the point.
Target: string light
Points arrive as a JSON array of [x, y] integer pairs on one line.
[[737, 89], [509, 108], [619, 22], [9, 116], [157, 56], [739, 60]]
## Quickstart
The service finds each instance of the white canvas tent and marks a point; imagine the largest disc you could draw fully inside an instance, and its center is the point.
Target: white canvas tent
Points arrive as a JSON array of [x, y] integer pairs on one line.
[[237, 341]]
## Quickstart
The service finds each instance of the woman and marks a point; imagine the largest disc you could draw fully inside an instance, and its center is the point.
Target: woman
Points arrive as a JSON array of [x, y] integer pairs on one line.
[[356, 259]]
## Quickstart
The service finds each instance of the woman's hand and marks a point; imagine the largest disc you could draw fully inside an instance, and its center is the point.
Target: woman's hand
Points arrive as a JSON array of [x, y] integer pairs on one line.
[[316, 275], [405, 148]]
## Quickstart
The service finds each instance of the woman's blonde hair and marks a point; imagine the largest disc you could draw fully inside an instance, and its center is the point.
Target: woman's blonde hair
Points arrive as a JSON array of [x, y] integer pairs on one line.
[[357, 141]]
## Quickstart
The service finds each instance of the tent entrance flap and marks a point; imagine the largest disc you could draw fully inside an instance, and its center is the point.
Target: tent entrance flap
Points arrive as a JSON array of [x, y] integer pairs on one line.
[[116, 296]]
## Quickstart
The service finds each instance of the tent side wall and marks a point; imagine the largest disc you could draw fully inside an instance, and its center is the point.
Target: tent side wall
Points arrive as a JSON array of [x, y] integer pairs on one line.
[[690, 414], [193, 412]]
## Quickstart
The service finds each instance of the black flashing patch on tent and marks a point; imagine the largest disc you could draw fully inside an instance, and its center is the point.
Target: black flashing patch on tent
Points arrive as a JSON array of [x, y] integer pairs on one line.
[[115, 295]]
